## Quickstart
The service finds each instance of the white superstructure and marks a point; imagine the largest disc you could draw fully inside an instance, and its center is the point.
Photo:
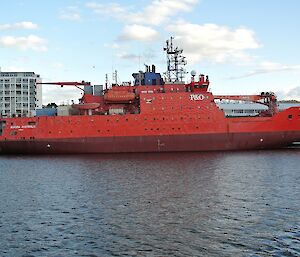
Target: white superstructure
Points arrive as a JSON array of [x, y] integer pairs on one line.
[[237, 109], [19, 94]]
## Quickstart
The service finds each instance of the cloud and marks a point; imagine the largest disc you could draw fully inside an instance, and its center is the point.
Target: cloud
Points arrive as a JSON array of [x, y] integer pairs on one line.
[[128, 56], [138, 33], [161, 10], [58, 95], [289, 94], [71, 13], [213, 42], [156, 13], [268, 67], [31, 42], [111, 9], [19, 25], [145, 57]]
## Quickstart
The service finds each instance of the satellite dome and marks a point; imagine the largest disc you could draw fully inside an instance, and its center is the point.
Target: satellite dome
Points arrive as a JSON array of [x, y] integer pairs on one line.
[[193, 73]]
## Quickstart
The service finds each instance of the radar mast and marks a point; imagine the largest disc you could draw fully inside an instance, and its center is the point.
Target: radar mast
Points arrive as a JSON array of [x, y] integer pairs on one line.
[[176, 62]]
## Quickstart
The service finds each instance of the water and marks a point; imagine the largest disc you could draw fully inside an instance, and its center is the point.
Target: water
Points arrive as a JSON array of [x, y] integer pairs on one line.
[[183, 204]]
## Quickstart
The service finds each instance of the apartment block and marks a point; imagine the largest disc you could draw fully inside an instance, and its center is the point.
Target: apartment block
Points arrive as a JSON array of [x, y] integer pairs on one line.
[[19, 94]]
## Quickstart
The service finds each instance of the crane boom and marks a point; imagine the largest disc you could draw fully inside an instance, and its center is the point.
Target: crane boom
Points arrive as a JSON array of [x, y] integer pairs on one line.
[[266, 98], [248, 98], [75, 84]]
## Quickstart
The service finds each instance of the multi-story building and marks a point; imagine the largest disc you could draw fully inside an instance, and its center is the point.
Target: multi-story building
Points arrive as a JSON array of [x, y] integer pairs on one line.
[[19, 94]]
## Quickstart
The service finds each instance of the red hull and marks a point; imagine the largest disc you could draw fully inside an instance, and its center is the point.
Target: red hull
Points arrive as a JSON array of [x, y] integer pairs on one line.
[[174, 143]]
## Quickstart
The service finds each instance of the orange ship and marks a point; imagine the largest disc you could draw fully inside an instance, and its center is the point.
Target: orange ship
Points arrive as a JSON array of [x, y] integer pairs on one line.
[[152, 115]]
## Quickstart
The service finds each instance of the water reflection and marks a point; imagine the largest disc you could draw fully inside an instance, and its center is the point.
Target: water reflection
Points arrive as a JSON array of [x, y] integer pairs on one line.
[[182, 204]]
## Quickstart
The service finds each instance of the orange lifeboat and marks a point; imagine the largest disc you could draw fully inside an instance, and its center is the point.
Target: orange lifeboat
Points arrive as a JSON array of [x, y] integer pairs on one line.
[[119, 96]]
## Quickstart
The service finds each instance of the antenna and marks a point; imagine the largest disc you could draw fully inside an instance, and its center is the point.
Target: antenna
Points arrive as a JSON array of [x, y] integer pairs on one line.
[[176, 62], [115, 77], [106, 81]]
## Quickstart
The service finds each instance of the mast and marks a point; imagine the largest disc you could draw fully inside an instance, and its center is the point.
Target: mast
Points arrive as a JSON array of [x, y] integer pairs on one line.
[[176, 62]]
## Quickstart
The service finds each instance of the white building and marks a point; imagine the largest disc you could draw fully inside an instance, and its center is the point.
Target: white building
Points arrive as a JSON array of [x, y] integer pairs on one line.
[[19, 94]]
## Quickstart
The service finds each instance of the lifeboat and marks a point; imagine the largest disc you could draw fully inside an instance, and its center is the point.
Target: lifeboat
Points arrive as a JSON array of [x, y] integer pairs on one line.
[[119, 96]]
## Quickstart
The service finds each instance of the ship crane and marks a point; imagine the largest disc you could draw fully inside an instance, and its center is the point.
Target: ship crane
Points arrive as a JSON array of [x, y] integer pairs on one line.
[[75, 84], [266, 98], [87, 103]]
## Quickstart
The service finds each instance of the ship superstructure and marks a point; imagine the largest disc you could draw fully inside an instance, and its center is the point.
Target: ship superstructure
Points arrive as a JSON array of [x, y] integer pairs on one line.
[[152, 115]]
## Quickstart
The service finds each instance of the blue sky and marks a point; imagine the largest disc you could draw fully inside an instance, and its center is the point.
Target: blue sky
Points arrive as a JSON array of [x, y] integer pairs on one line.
[[245, 46]]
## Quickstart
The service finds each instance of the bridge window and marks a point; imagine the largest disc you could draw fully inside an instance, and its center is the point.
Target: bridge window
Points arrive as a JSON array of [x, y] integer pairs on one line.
[[290, 116]]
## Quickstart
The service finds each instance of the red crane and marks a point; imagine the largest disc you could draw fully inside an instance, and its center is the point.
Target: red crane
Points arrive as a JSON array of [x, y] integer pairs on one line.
[[266, 98], [75, 84]]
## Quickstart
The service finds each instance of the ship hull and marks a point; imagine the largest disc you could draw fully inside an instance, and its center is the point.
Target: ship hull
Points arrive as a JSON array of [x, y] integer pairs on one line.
[[170, 143]]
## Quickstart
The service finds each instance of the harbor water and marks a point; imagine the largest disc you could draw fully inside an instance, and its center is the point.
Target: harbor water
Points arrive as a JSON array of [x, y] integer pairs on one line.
[[170, 204]]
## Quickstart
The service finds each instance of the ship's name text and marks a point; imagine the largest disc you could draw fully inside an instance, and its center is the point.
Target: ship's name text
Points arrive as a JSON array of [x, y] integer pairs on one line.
[[23, 127]]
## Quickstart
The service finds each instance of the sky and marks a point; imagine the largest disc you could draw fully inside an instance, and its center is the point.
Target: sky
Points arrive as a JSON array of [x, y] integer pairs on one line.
[[245, 46]]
